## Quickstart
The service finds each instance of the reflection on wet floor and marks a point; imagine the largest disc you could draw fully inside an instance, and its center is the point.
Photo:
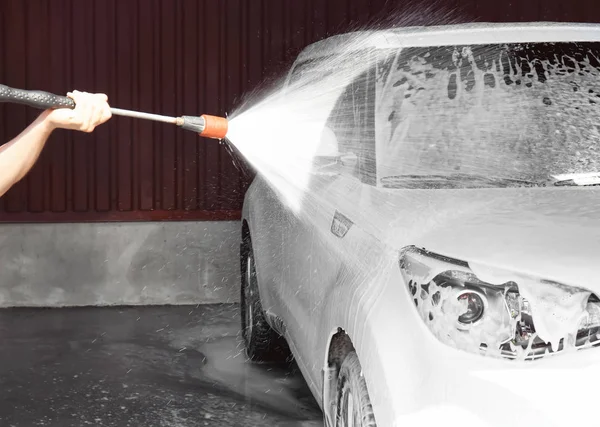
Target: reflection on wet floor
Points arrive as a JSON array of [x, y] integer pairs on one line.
[[146, 366]]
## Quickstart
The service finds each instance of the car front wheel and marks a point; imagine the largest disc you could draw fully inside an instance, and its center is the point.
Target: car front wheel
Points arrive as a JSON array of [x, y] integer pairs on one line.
[[262, 343], [353, 403]]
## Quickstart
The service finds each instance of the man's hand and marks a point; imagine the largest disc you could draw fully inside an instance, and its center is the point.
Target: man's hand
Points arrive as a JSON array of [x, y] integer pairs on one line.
[[91, 110], [18, 156]]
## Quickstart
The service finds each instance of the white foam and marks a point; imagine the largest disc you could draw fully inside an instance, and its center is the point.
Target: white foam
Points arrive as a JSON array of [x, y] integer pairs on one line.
[[526, 125]]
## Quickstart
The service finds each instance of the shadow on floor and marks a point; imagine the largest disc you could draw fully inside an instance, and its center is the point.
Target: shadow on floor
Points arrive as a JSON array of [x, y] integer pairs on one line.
[[143, 366]]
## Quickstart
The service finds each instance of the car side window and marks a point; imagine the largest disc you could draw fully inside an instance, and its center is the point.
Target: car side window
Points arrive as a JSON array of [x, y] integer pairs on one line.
[[342, 120], [352, 122]]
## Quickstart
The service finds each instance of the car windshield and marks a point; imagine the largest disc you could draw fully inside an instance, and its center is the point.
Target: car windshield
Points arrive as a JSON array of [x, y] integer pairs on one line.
[[488, 115]]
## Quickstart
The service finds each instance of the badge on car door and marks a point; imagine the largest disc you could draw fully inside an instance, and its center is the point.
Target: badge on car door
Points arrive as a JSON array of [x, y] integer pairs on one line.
[[340, 225]]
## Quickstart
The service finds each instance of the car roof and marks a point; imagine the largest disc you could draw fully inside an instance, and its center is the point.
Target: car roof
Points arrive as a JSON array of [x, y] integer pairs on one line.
[[457, 34]]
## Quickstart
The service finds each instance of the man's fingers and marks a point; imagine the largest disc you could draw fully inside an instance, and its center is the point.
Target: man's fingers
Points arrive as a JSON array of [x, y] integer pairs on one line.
[[90, 111], [98, 116], [103, 109], [107, 112]]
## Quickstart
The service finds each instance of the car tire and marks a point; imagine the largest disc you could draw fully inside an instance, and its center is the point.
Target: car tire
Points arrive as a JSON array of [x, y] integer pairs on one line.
[[263, 344], [353, 408]]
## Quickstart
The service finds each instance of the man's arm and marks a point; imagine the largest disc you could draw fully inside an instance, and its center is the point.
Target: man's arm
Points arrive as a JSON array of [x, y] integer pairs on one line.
[[18, 156]]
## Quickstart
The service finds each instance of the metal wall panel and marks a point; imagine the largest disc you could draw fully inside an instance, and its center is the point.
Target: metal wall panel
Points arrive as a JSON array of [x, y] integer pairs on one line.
[[176, 57]]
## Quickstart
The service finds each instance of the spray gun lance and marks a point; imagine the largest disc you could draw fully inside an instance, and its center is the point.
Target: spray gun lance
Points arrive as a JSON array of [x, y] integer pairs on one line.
[[206, 126]]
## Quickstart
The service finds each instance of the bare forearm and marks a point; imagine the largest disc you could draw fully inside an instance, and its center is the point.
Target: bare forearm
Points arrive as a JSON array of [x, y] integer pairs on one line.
[[18, 156]]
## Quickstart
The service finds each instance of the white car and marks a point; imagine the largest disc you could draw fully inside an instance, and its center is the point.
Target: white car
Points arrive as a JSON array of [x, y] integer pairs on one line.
[[438, 260]]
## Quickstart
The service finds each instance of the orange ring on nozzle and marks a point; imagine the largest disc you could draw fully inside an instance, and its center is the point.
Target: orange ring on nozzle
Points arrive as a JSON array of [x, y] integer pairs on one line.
[[214, 127]]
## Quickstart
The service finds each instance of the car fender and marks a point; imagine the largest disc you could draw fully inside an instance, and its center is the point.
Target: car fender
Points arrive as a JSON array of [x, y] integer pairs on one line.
[[378, 320]]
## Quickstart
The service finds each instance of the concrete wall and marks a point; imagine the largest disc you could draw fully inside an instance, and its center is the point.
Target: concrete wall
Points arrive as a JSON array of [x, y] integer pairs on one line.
[[119, 263]]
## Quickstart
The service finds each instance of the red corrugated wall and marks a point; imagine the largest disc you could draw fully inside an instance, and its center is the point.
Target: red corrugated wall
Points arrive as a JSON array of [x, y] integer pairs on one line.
[[174, 57]]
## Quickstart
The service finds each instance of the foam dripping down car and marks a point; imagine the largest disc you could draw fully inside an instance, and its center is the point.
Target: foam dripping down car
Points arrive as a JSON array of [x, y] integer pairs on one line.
[[426, 244]]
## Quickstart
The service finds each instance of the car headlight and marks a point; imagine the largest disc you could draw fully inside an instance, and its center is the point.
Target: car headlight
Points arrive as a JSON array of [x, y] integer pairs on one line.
[[499, 319]]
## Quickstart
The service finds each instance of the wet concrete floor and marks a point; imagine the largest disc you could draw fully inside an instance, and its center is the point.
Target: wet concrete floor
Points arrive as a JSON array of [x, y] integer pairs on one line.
[[144, 366]]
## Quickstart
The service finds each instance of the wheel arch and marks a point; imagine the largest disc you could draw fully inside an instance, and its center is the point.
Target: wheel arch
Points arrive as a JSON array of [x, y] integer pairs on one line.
[[245, 231], [245, 241], [339, 345]]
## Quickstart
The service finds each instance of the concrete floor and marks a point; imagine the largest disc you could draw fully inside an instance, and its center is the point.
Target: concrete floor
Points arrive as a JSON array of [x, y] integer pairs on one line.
[[146, 366]]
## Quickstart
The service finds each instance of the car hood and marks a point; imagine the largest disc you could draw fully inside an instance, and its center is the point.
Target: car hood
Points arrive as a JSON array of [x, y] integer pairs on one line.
[[553, 234]]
